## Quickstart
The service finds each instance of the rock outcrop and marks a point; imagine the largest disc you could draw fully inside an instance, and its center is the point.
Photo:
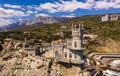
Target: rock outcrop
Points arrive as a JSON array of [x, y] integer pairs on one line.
[[110, 46]]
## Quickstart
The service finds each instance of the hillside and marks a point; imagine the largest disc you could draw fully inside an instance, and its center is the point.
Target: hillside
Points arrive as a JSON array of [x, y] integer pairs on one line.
[[92, 25]]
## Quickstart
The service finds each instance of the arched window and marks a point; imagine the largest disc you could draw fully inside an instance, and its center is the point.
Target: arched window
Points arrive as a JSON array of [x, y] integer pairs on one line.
[[65, 54], [75, 44], [56, 53], [70, 55]]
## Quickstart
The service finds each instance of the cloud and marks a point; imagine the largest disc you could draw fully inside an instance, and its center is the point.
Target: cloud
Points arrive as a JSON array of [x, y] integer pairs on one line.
[[29, 12], [42, 15], [70, 16], [64, 6], [107, 4], [72, 5], [90, 1], [48, 7], [8, 13], [13, 6], [30, 7], [5, 21]]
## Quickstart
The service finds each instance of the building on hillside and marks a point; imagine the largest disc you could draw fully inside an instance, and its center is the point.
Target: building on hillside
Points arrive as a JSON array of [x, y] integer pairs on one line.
[[114, 17], [57, 47], [71, 50], [31, 50], [89, 37], [105, 18]]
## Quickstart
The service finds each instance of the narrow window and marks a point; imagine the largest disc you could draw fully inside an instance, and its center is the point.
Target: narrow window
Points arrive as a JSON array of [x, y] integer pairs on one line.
[[75, 44], [65, 54], [70, 55]]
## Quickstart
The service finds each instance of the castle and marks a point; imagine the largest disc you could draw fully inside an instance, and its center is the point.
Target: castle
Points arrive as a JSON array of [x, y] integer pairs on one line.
[[70, 50], [67, 51]]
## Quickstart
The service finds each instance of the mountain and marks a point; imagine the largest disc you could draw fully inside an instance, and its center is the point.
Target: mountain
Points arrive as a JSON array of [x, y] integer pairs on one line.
[[35, 21]]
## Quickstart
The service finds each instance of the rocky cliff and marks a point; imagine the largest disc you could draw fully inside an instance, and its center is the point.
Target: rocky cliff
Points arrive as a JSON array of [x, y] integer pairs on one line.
[[110, 46]]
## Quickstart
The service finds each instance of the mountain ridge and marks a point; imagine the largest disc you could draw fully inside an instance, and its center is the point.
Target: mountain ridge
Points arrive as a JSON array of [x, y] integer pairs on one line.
[[39, 20], [33, 22]]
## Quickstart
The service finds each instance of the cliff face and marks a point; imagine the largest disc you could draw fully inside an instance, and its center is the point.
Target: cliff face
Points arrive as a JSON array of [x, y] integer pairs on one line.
[[111, 46], [73, 71]]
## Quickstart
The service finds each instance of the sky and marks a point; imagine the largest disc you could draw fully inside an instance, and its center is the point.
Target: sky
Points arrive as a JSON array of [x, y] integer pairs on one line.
[[12, 11]]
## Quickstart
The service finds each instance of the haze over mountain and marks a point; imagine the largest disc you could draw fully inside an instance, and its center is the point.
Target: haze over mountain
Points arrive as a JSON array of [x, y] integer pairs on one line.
[[35, 21]]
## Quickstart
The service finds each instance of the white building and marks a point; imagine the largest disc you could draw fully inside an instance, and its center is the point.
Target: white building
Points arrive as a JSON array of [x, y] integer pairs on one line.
[[105, 18], [114, 17]]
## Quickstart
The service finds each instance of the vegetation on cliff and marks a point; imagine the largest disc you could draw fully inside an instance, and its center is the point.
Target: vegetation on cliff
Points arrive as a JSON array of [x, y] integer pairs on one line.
[[47, 33]]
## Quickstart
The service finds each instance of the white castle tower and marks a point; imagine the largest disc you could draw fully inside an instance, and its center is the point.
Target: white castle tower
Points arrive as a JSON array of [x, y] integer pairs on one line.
[[72, 50], [76, 50], [77, 37]]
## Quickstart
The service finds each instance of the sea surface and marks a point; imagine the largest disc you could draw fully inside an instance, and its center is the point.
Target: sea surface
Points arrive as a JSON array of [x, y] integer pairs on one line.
[[114, 64]]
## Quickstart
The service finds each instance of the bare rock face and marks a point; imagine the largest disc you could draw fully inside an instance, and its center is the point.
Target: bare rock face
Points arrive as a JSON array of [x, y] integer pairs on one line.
[[20, 65], [22, 22], [73, 71], [10, 46], [18, 45], [110, 47], [41, 20]]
